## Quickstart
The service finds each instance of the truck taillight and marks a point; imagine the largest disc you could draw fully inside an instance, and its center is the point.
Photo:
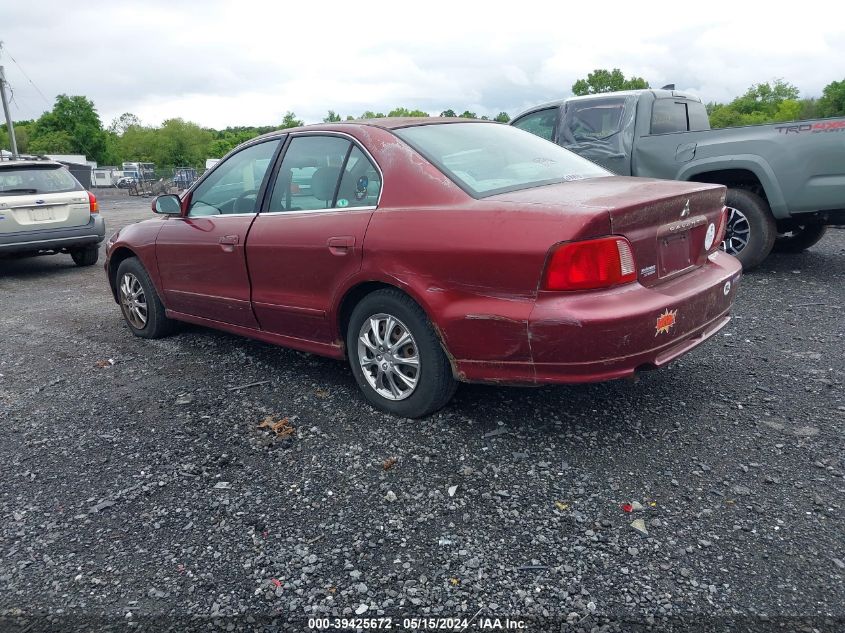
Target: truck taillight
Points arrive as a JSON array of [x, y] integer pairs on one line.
[[93, 205], [590, 264]]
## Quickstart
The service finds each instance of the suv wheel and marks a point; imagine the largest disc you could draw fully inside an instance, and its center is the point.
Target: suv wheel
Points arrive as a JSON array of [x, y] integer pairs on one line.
[[86, 256]]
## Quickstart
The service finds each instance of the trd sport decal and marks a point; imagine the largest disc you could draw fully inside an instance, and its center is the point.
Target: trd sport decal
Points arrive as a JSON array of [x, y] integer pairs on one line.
[[815, 128], [665, 321]]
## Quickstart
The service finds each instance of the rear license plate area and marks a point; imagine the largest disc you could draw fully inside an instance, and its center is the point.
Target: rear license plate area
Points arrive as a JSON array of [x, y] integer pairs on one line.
[[41, 215], [675, 253]]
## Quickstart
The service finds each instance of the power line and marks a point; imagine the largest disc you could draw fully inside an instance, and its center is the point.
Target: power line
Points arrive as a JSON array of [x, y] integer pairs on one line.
[[24, 74]]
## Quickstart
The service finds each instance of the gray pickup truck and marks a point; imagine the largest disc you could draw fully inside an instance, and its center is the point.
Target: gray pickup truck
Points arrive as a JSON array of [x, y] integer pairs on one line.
[[786, 181]]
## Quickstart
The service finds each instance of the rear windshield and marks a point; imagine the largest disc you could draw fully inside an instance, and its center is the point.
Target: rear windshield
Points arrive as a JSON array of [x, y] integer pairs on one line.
[[36, 179], [487, 158]]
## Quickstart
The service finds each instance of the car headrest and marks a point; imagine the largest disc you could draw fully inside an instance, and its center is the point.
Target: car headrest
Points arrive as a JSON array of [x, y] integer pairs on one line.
[[323, 183]]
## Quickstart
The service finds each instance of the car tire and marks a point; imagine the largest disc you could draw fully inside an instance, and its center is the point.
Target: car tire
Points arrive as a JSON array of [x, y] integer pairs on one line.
[[800, 238], [387, 381], [86, 256], [134, 290], [751, 230]]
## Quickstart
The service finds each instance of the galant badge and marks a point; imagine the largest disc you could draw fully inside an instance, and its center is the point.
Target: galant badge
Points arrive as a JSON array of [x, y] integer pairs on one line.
[[685, 210]]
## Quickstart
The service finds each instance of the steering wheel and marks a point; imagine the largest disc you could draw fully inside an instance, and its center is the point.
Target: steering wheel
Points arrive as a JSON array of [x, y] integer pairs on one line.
[[244, 196]]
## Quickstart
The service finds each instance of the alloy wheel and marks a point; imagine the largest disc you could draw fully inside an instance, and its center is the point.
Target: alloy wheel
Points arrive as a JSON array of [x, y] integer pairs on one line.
[[133, 301], [389, 356], [738, 232]]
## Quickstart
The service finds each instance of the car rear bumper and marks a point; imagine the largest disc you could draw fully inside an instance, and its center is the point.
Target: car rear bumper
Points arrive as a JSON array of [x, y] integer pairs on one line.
[[598, 336], [54, 239]]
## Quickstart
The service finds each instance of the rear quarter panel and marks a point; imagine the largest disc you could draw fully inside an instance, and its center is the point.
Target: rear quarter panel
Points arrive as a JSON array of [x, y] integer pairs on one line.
[[473, 265]]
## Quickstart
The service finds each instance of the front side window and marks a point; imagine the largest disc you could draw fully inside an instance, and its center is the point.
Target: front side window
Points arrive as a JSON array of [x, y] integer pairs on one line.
[[324, 172], [541, 123], [488, 158], [592, 119], [668, 115], [234, 184], [37, 179]]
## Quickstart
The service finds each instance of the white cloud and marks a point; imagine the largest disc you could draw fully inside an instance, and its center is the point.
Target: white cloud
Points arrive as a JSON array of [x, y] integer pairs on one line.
[[222, 63]]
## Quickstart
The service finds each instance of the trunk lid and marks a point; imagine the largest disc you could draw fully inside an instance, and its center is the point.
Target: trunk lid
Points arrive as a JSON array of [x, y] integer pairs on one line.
[[666, 221], [669, 232]]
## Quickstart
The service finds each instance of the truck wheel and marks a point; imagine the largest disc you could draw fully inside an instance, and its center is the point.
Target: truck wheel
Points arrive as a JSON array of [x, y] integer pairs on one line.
[[86, 256], [751, 229], [800, 238]]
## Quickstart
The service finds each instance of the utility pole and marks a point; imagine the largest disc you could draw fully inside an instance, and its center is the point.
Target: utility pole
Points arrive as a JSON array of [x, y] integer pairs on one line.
[[11, 128]]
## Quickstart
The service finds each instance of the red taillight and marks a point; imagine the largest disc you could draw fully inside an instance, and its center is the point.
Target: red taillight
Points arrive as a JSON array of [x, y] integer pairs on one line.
[[590, 264], [93, 205], [721, 228]]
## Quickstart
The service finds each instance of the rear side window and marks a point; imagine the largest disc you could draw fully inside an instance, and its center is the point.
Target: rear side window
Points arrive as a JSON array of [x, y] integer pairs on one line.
[[697, 114], [541, 123], [592, 119], [668, 115], [37, 179], [309, 174], [360, 183]]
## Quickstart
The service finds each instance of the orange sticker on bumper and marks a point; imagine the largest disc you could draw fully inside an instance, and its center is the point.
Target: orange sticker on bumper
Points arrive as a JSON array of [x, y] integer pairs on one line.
[[665, 321]]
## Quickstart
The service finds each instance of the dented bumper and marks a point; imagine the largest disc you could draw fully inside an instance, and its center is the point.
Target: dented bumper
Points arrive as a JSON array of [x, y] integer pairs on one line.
[[603, 335]]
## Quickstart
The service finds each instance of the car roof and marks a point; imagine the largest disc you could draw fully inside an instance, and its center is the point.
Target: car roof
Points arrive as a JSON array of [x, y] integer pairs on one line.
[[29, 163], [386, 123]]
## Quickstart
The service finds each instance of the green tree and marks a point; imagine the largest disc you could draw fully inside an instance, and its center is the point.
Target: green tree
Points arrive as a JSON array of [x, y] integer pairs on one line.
[[332, 117], [369, 114], [73, 119], [180, 143], [466, 114], [832, 101], [602, 80], [290, 120], [766, 102], [448, 113], [53, 142], [405, 112], [502, 117], [23, 131], [124, 121]]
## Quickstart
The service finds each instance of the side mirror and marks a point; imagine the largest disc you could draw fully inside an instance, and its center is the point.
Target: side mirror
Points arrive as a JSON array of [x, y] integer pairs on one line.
[[169, 204]]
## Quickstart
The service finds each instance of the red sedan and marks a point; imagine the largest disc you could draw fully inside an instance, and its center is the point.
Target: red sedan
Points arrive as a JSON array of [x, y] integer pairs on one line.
[[432, 251]]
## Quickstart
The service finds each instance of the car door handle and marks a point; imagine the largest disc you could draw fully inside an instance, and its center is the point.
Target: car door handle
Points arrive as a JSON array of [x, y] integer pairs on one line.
[[228, 242], [341, 245]]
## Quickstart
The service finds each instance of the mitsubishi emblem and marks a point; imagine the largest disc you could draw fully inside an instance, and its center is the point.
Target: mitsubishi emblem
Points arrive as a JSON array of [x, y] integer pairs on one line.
[[685, 210]]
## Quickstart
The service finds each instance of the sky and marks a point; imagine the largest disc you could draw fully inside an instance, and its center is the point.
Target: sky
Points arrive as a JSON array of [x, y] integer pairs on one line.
[[247, 63]]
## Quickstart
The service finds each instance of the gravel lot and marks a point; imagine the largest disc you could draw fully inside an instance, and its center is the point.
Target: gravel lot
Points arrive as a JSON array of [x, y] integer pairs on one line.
[[143, 494]]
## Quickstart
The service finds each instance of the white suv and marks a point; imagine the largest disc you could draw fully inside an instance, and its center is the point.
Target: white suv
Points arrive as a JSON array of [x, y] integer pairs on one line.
[[44, 209]]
